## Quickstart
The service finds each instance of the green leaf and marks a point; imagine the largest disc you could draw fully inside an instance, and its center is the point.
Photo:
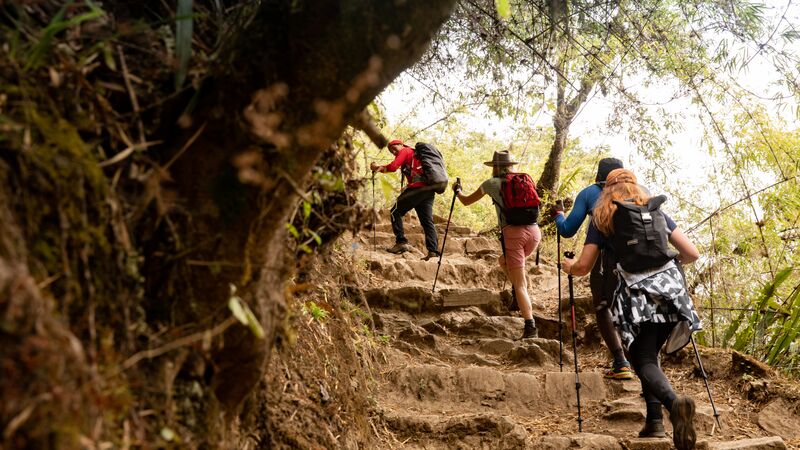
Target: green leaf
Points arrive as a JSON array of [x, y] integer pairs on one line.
[[167, 434], [503, 8], [244, 315], [316, 237], [56, 25], [306, 210], [305, 248], [235, 305], [108, 57], [293, 231], [183, 40]]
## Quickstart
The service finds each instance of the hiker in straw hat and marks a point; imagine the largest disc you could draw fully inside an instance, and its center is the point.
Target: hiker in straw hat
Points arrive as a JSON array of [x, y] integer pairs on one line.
[[518, 240]]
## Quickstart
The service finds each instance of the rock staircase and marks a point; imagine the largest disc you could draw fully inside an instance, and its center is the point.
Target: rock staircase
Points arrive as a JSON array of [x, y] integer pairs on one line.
[[456, 377]]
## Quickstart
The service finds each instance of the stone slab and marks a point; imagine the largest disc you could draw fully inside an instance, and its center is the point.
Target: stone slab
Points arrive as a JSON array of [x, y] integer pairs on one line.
[[765, 443], [468, 297], [560, 388]]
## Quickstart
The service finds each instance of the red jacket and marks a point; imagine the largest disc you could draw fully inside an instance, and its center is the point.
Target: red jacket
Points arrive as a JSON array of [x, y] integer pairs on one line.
[[405, 157]]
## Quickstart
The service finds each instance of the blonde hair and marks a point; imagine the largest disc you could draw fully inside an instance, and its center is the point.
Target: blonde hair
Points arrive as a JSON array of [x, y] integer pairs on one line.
[[621, 185]]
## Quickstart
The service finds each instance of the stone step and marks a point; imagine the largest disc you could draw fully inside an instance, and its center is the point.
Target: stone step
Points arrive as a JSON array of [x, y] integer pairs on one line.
[[474, 323], [579, 441], [418, 299], [764, 443], [441, 388], [474, 430]]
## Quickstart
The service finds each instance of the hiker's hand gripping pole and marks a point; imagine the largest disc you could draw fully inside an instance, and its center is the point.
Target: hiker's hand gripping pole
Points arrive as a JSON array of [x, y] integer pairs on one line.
[[571, 255], [456, 190]]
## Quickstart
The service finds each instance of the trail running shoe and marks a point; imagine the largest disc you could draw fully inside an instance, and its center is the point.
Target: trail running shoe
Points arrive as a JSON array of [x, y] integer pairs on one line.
[[682, 417], [623, 373]]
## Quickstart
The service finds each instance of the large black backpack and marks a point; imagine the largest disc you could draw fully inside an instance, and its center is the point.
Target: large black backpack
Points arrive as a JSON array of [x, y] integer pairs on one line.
[[433, 168], [641, 236]]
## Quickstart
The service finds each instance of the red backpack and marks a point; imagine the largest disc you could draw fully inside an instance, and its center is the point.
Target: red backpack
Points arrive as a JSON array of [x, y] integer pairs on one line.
[[520, 198]]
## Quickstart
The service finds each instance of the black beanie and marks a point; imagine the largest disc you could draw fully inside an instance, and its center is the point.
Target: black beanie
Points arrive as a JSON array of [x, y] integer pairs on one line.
[[605, 167]]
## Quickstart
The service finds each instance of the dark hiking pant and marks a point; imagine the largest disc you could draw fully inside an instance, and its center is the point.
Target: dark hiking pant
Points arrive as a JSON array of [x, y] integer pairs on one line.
[[420, 200], [644, 357]]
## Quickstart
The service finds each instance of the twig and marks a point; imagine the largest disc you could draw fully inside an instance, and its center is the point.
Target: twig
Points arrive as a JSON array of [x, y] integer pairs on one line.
[[185, 146], [131, 92], [694, 227], [294, 185], [178, 343]]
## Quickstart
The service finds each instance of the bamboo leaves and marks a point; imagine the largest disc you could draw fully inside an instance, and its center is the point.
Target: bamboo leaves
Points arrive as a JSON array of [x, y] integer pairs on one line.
[[764, 301]]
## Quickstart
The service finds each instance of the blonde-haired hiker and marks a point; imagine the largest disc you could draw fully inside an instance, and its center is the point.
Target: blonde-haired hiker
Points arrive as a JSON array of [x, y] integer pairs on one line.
[[651, 301]]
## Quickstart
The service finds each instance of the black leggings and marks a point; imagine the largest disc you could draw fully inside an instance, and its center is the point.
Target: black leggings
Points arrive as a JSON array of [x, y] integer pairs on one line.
[[644, 357]]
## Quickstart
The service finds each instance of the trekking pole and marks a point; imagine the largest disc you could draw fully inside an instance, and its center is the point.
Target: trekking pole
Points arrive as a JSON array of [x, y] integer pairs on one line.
[[705, 379], [446, 228], [374, 216], [571, 255], [560, 321]]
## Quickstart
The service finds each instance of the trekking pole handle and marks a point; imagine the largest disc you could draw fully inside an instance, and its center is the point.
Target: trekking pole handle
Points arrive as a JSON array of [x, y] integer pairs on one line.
[[569, 255], [458, 184]]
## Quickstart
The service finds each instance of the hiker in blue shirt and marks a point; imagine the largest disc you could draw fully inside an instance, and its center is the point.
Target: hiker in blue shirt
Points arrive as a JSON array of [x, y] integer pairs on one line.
[[602, 282]]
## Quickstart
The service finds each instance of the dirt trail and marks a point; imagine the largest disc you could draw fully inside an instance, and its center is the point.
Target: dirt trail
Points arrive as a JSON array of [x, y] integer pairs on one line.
[[455, 375]]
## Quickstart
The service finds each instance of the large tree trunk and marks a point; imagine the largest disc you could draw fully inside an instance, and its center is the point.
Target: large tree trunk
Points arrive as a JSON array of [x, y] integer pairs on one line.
[[297, 77]]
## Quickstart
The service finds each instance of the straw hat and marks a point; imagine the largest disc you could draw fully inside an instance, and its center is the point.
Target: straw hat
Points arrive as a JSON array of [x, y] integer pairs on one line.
[[501, 158]]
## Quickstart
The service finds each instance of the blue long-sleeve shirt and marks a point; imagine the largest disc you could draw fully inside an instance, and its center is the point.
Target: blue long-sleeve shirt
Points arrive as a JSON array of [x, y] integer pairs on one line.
[[584, 202]]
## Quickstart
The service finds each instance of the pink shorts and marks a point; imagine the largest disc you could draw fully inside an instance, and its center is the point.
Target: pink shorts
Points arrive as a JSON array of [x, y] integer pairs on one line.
[[520, 241]]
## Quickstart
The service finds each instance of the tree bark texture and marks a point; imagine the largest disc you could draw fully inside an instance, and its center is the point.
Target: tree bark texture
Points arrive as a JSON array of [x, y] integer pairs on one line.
[[296, 78]]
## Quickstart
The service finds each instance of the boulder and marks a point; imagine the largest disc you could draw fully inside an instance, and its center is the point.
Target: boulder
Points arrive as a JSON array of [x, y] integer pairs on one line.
[[480, 246], [778, 418]]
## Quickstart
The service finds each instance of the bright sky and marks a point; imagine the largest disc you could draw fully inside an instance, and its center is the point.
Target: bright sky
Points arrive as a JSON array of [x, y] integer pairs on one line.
[[410, 102]]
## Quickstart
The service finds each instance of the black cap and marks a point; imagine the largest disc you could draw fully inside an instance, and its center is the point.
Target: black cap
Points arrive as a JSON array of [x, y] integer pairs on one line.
[[605, 166]]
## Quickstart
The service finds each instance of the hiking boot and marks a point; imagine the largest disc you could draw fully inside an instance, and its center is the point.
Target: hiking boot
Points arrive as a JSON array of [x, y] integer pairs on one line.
[[400, 247], [530, 332], [622, 373], [652, 430], [430, 255], [682, 417]]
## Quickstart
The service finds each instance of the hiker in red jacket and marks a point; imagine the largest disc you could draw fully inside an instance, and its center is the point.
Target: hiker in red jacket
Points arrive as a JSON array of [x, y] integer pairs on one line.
[[518, 241], [414, 196]]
